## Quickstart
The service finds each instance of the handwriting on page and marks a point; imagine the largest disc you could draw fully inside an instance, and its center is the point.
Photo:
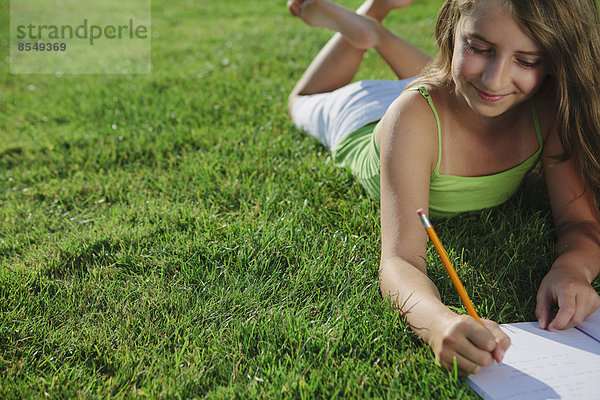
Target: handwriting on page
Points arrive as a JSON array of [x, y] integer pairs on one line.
[[543, 365]]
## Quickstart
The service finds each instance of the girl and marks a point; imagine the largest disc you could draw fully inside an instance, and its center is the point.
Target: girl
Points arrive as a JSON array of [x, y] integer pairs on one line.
[[515, 81]]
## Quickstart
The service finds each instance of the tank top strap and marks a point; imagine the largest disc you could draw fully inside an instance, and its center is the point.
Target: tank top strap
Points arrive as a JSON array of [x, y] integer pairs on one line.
[[427, 97]]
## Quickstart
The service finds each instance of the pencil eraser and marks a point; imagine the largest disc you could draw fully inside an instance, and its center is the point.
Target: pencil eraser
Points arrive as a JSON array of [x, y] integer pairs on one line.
[[420, 212]]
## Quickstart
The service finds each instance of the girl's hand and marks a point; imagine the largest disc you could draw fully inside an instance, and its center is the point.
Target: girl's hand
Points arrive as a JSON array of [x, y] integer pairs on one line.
[[568, 289], [472, 345]]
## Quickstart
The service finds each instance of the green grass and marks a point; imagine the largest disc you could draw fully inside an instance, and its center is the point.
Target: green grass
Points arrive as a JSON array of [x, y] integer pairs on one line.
[[173, 235]]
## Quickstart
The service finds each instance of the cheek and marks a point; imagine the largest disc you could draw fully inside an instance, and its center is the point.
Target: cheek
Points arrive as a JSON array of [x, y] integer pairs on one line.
[[467, 64], [531, 80]]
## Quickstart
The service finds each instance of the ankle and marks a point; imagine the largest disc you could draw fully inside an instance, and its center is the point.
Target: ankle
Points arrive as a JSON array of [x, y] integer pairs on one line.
[[373, 9]]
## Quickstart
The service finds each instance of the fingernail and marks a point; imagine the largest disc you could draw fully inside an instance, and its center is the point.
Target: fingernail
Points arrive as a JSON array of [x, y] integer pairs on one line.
[[501, 355]]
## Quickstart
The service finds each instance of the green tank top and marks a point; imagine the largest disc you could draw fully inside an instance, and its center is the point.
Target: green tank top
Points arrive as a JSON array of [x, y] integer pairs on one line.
[[448, 194]]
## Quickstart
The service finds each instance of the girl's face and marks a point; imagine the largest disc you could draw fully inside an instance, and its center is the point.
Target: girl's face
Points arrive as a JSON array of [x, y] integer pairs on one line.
[[495, 64]]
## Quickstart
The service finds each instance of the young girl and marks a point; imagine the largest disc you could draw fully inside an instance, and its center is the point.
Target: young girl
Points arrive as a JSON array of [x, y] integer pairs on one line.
[[515, 81]]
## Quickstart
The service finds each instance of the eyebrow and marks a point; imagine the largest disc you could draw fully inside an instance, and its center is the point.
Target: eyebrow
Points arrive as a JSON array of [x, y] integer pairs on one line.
[[479, 37]]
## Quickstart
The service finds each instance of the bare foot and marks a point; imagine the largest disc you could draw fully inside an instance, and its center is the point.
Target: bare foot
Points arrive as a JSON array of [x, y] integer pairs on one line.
[[359, 30], [378, 9]]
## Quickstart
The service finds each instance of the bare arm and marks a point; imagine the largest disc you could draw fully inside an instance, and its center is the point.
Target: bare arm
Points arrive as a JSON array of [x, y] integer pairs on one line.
[[408, 143], [568, 283]]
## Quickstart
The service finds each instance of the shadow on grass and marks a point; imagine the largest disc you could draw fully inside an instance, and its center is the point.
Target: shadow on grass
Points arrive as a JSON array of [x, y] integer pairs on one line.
[[84, 256]]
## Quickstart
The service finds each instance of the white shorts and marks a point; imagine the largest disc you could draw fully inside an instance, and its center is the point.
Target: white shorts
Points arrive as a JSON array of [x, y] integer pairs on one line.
[[329, 117]]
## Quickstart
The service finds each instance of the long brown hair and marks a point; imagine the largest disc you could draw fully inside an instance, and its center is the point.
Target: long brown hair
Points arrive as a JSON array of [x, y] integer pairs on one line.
[[569, 32]]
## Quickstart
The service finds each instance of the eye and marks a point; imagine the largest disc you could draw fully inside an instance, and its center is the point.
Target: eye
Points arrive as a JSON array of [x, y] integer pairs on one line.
[[529, 63], [475, 49]]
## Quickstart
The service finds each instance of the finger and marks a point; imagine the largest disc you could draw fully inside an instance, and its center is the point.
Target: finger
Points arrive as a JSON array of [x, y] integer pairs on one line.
[[566, 310], [578, 316], [482, 335], [468, 355], [464, 366], [464, 341], [475, 354], [501, 348], [583, 309], [501, 338], [542, 309]]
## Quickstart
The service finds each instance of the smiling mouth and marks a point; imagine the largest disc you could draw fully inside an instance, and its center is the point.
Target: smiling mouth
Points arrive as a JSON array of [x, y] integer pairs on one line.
[[490, 98]]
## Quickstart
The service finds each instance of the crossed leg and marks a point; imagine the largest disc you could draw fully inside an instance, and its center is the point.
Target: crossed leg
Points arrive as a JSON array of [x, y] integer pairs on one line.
[[337, 63]]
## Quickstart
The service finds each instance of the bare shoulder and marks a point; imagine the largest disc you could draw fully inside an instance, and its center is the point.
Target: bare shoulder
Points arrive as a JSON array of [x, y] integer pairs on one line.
[[409, 124]]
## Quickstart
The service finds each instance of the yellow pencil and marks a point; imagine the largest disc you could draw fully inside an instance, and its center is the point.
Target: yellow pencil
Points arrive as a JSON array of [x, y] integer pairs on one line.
[[448, 265]]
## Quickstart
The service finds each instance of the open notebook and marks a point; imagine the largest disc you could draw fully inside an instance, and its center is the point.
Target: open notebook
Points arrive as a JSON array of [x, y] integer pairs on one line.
[[545, 365]]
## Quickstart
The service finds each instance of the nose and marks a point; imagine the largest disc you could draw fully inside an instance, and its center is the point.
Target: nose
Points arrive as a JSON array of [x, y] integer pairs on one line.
[[497, 74]]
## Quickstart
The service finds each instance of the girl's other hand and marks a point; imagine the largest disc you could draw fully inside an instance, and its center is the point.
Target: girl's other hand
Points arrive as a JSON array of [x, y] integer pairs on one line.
[[472, 345], [571, 292]]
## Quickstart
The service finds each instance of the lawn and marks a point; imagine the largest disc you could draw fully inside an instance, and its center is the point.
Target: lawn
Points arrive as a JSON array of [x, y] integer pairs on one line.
[[173, 235]]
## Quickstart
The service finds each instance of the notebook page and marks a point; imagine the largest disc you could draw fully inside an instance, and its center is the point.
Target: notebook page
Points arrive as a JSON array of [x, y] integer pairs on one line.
[[591, 325], [542, 365]]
